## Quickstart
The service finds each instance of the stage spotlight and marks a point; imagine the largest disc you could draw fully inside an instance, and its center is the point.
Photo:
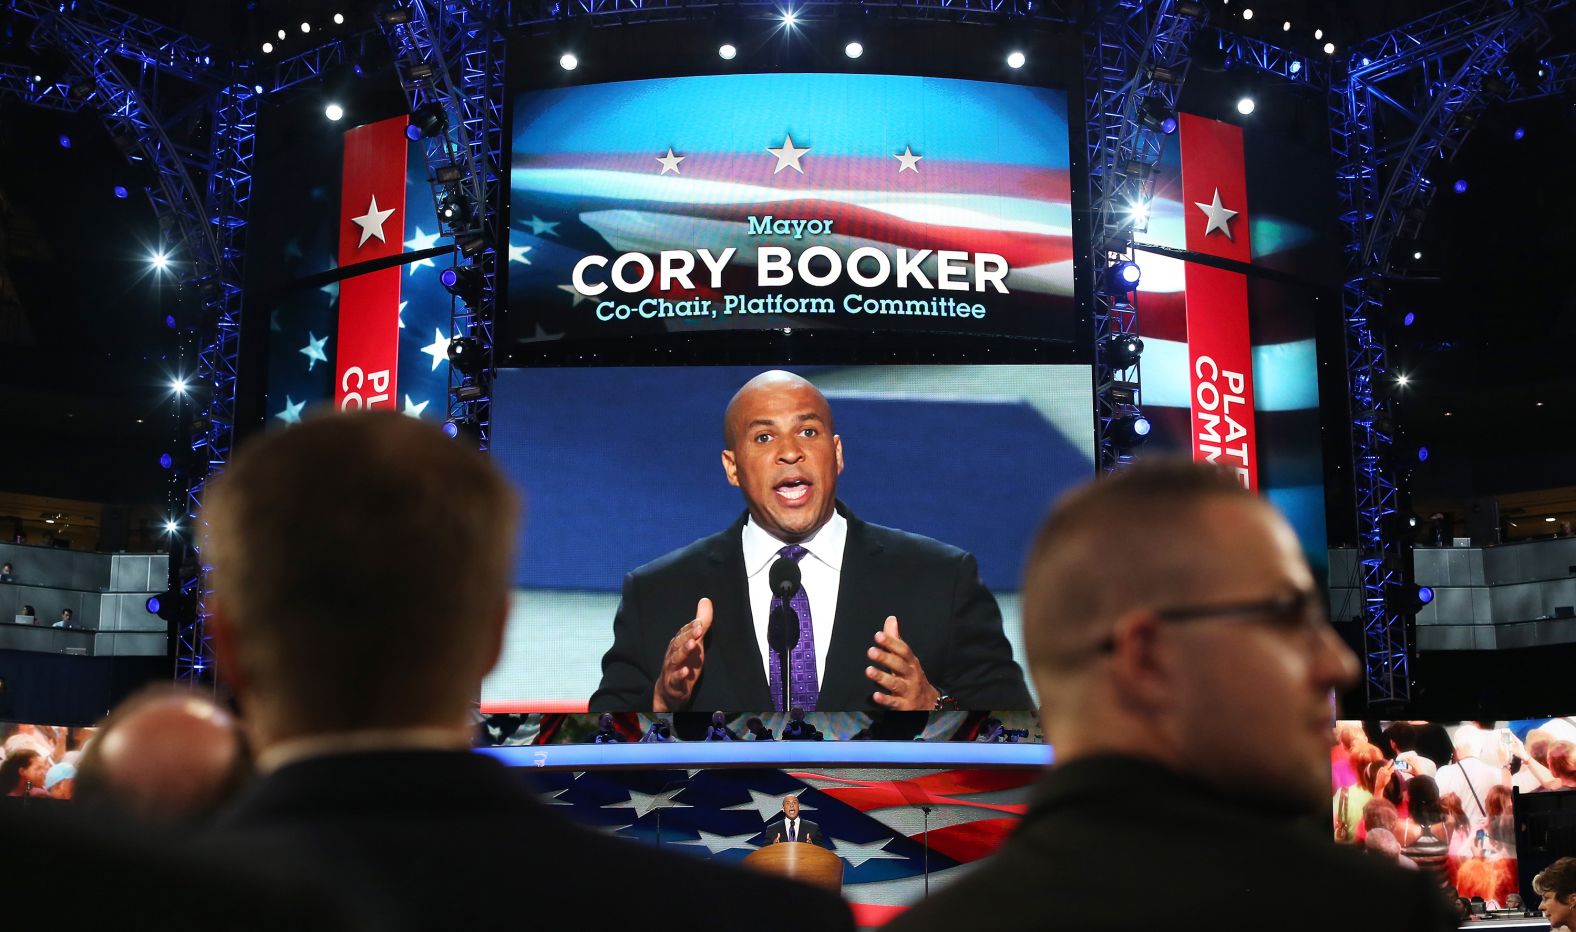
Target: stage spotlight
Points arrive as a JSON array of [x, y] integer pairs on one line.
[[1286, 26], [853, 50], [790, 18], [170, 527], [339, 19], [455, 208], [465, 354], [1409, 318], [1122, 276], [306, 27], [1402, 379], [1417, 256], [1460, 187], [178, 386], [1245, 106], [1138, 212], [121, 192], [268, 48], [334, 112], [166, 461], [1329, 48], [395, 16], [1123, 349], [1247, 14], [1422, 454], [1130, 430], [568, 61], [1154, 114], [1015, 60], [257, 88], [427, 120], [1519, 134], [1318, 34], [281, 35], [1295, 67], [160, 261], [153, 605], [462, 281], [726, 52], [65, 141]]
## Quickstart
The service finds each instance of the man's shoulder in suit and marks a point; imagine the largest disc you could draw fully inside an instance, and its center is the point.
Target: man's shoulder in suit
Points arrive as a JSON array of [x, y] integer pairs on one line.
[[908, 545], [681, 562]]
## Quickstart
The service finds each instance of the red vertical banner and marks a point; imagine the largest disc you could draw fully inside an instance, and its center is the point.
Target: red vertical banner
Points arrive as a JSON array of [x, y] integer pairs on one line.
[[1220, 349], [371, 226]]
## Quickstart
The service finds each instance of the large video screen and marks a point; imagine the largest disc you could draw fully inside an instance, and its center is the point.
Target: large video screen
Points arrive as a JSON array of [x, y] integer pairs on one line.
[[1231, 354], [857, 201], [920, 488], [1441, 797]]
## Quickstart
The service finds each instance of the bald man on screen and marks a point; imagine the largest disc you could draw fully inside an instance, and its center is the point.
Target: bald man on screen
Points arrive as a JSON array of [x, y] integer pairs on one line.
[[886, 619]]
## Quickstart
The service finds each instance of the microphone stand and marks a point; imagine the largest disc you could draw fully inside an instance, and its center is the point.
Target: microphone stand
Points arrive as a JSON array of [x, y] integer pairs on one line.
[[926, 811]]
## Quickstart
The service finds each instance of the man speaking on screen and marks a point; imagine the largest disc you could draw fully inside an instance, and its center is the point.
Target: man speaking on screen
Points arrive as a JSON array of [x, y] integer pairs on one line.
[[868, 617]]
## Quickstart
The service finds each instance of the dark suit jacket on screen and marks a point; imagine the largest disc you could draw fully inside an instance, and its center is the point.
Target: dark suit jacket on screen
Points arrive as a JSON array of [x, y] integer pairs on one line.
[[1116, 843], [432, 840], [809, 832], [944, 611]]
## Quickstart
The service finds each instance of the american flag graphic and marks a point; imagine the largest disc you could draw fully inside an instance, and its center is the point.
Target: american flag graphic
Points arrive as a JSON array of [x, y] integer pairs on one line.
[[873, 817], [892, 162]]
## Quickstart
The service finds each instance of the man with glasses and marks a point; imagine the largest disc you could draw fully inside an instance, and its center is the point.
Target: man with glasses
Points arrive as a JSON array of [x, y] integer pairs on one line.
[[1185, 669]]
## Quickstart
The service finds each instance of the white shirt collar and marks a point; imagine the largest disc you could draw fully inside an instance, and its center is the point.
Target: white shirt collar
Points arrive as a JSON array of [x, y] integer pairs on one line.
[[825, 545]]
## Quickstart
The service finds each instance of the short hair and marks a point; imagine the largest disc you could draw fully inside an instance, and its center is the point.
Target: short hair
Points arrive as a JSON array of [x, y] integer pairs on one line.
[[1380, 813], [1383, 841], [310, 534], [1403, 735], [1137, 518], [1558, 878]]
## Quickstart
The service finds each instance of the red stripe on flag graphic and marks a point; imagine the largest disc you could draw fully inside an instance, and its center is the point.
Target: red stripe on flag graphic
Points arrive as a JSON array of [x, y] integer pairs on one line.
[[1220, 350], [371, 226]]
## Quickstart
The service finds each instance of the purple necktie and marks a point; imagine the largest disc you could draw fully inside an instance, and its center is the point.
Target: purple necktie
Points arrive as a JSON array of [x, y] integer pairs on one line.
[[803, 686]]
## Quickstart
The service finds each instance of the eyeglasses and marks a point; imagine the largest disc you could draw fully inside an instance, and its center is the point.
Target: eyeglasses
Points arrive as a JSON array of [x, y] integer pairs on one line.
[[1295, 612]]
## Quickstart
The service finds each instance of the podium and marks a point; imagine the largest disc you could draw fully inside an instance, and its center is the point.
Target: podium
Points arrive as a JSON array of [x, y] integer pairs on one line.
[[801, 861]]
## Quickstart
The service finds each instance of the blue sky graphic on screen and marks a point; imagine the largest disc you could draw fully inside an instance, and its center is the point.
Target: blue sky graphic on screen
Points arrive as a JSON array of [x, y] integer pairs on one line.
[[620, 466], [932, 178]]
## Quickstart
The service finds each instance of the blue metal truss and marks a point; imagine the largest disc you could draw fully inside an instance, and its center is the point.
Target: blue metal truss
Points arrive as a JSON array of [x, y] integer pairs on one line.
[[1287, 64], [535, 17], [452, 54], [1400, 103], [1133, 54], [170, 109]]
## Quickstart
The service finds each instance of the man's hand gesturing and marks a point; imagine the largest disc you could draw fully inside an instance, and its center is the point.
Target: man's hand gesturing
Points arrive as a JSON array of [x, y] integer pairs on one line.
[[681, 666]]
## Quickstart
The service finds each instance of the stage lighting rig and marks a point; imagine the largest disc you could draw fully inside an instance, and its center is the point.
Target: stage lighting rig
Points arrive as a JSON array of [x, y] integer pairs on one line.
[[1122, 276], [1130, 430], [1016, 59], [463, 281], [568, 61], [727, 52], [427, 121], [1155, 115], [1122, 350], [1246, 106], [465, 354], [455, 208]]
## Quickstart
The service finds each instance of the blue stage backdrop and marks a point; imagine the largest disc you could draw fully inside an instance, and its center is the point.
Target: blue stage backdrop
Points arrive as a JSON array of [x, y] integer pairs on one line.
[[622, 465], [892, 163]]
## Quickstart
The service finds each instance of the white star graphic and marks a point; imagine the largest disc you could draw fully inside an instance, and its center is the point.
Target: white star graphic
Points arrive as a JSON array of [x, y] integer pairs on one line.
[[438, 349], [769, 805], [332, 288], [421, 242], [371, 222], [670, 162], [413, 409], [552, 799], [313, 350], [402, 314], [292, 412], [910, 161], [644, 803], [1219, 216], [856, 855], [577, 295], [716, 844], [517, 253], [540, 227], [788, 156]]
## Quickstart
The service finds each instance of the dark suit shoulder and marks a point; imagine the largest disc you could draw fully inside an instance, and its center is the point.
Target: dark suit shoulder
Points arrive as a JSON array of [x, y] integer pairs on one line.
[[681, 562], [907, 544]]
